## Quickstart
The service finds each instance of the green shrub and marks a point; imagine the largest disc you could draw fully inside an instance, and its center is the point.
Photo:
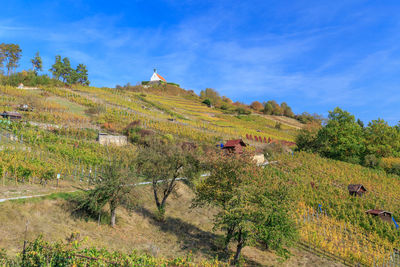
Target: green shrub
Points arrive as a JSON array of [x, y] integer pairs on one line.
[[372, 161], [270, 151], [242, 111], [168, 137], [175, 84], [395, 168], [29, 79], [207, 102], [95, 110]]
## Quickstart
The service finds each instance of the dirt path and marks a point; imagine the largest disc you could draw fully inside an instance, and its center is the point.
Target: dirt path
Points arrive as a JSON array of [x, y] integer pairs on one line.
[[24, 197], [4, 199]]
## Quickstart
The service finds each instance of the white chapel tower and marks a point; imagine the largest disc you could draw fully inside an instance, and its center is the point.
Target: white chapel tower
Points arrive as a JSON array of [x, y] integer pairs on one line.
[[157, 77]]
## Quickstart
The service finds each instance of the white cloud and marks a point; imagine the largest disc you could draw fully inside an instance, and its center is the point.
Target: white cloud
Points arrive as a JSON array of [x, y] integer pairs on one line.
[[305, 58]]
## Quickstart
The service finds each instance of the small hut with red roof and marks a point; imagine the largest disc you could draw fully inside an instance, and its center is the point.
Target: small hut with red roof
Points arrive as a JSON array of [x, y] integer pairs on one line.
[[235, 146], [384, 215]]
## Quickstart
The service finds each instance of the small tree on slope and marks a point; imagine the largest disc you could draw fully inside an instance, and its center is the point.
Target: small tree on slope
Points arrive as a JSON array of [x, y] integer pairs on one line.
[[253, 206], [163, 164], [113, 186]]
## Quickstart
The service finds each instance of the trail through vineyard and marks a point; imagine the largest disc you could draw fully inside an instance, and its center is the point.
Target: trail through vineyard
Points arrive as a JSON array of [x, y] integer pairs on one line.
[[55, 148]]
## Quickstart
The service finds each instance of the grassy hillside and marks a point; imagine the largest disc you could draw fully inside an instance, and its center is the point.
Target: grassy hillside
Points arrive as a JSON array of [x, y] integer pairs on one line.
[[184, 231], [336, 221], [114, 109], [59, 137]]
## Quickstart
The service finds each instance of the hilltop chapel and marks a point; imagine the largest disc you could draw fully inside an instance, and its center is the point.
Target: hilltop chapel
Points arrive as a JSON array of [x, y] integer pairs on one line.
[[157, 77]]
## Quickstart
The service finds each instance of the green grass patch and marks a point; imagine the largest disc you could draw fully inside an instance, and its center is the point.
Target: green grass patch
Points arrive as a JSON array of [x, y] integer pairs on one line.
[[72, 107]]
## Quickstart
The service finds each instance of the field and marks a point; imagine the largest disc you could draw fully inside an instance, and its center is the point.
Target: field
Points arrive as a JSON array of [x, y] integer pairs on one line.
[[59, 137], [325, 206]]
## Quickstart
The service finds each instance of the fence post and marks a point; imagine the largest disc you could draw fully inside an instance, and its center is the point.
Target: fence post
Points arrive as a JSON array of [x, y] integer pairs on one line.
[[25, 241]]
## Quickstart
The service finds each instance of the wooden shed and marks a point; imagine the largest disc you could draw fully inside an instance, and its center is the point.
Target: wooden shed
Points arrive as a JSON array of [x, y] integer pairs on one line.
[[235, 146], [356, 189], [384, 215], [11, 115]]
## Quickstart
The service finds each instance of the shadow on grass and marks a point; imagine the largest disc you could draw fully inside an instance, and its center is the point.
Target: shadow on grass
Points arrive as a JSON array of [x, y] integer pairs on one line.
[[73, 206], [191, 237]]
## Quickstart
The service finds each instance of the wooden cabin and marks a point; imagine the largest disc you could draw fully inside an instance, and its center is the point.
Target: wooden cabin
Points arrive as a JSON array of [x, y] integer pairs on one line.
[[235, 146], [11, 115], [384, 215], [356, 189]]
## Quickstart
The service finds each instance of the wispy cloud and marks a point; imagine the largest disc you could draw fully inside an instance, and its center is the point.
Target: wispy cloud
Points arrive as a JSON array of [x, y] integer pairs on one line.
[[315, 56]]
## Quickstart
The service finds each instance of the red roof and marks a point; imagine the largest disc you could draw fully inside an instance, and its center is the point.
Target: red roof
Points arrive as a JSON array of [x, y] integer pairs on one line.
[[377, 212], [233, 143], [159, 76], [355, 187]]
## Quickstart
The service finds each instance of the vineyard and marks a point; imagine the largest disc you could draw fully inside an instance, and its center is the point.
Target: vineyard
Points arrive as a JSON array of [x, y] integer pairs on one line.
[[42, 253], [55, 143], [333, 220]]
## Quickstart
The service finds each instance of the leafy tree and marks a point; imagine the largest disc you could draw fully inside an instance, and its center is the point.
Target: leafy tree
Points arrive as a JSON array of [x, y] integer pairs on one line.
[[277, 110], [341, 138], [113, 187], [253, 207], [57, 69], [256, 106], [207, 102], [62, 69], [272, 108], [15, 54], [361, 123], [307, 138], [210, 94], [163, 164], [10, 54], [268, 108], [243, 111], [2, 56], [73, 77], [226, 100], [66, 70], [287, 111], [82, 74], [344, 138], [381, 139], [397, 127], [308, 118], [37, 63]]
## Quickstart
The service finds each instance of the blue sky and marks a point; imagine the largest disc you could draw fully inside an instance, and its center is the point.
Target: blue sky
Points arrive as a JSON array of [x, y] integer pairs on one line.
[[314, 55]]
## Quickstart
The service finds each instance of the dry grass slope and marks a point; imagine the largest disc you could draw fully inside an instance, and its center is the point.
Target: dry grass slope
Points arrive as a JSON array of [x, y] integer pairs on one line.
[[184, 230]]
